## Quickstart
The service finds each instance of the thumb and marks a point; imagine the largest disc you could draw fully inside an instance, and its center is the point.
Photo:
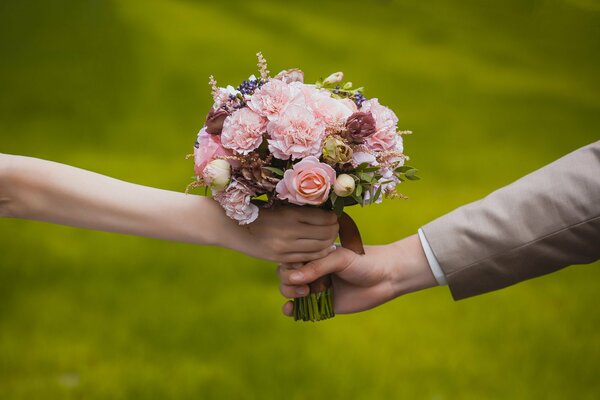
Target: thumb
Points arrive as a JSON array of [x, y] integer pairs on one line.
[[335, 262]]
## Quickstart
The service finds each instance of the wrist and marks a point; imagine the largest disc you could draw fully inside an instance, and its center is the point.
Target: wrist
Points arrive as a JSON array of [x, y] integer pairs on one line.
[[410, 271]]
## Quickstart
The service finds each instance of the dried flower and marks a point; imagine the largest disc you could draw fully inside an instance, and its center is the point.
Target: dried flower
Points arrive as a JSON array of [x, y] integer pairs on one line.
[[262, 67], [336, 151]]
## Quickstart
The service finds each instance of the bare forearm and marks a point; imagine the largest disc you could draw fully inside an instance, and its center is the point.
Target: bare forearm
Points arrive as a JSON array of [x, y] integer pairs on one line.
[[46, 191]]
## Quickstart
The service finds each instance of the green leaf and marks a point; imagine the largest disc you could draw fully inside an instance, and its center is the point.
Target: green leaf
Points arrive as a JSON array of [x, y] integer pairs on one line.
[[359, 190], [347, 85], [370, 169], [377, 194], [358, 199], [333, 198], [338, 208], [365, 177], [362, 166], [403, 169], [276, 171], [410, 174]]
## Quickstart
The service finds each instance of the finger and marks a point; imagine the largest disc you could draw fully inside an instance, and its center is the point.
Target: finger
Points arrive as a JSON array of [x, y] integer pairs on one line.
[[288, 309], [315, 216], [307, 245], [292, 292], [336, 261], [316, 232], [306, 257]]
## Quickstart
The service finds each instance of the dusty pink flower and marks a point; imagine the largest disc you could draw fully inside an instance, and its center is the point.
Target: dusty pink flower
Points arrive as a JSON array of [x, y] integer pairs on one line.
[[291, 75], [385, 136], [235, 200], [296, 134], [308, 182], [360, 125], [243, 131], [271, 99], [209, 147], [214, 120]]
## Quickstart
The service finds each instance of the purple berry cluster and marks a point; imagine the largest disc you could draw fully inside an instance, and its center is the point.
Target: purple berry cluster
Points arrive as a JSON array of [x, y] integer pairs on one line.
[[359, 98], [249, 86]]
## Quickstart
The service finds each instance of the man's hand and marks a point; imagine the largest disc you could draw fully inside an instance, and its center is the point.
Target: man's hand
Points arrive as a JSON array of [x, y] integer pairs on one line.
[[361, 282]]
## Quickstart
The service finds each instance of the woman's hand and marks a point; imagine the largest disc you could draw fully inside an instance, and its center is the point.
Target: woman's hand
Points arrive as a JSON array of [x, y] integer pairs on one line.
[[288, 234], [362, 282]]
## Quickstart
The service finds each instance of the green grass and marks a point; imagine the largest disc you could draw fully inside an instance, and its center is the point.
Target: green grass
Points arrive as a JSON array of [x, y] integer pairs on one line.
[[492, 90]]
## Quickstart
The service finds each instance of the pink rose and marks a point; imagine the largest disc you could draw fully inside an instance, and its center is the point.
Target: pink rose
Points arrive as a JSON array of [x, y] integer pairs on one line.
[[208, 148], [235, 200], [296, 134], [308, 182], [385, 136], [271, 99], [243, 131]]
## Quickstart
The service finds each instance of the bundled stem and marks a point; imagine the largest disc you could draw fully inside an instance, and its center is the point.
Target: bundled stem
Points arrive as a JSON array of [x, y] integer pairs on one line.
[[318, 305]]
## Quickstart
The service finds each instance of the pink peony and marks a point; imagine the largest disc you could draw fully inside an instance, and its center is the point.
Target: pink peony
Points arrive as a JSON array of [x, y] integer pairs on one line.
[[271, 99], [235, 200], [385, 136], [296, 134], [209, 147], [308, 182], [243, 131]]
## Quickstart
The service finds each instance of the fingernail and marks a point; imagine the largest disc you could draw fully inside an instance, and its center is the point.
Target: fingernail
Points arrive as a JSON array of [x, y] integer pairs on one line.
[[333, 247], [296, 276], [300, 291]]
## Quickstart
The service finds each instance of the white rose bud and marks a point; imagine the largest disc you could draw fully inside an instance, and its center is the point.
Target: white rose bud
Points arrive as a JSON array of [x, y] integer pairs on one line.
[[344, 185], [217, 174], [334, 78]]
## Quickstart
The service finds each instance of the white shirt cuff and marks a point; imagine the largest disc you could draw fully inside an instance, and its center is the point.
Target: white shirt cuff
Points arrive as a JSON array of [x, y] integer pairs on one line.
[[433, 262]]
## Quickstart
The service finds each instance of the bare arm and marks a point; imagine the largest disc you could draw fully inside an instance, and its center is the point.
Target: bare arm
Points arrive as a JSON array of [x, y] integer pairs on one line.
[[47, 191]]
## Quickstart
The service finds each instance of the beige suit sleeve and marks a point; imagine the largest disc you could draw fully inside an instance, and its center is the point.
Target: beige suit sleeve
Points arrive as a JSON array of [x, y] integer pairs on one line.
[[543, 222]]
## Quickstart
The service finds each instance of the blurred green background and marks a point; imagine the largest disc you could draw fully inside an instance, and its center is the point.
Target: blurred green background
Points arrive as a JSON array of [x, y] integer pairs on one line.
[[492, 91]]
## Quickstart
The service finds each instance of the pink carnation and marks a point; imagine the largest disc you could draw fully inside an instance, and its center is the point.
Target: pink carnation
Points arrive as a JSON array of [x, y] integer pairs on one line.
[[308, 182], [209, 147], [271, 99], [385, 136], [334, 111], [296, 134], [243, 131], [235, 200]]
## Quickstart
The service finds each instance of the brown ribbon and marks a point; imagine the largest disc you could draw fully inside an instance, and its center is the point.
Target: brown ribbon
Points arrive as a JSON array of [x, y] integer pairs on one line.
[[349, 234], [350, 239]]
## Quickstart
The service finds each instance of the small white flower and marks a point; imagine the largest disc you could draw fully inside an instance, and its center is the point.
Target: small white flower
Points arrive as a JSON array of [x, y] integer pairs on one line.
[[232, 91], [218, 174], [333, 78], [344, 185]]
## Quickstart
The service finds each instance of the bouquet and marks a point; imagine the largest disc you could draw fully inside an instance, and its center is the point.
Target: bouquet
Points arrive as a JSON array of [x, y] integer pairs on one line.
[[279, 140]]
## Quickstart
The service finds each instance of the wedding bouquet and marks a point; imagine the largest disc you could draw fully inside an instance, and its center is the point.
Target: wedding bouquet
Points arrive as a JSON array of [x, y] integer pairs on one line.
[[279, 140]]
